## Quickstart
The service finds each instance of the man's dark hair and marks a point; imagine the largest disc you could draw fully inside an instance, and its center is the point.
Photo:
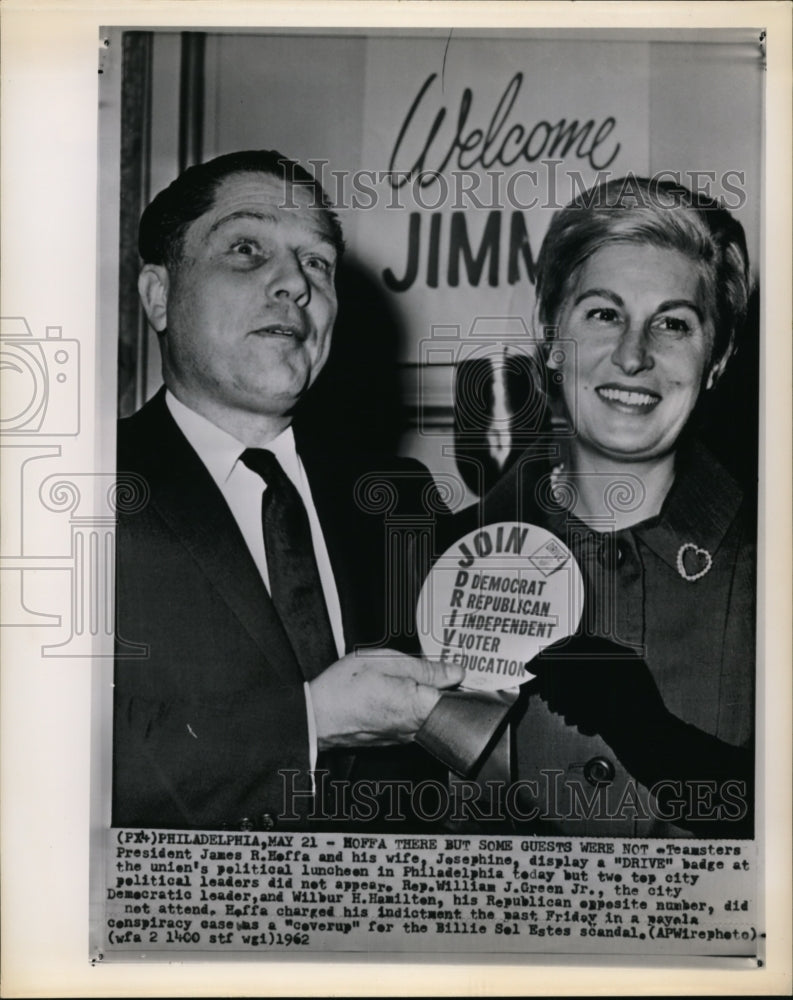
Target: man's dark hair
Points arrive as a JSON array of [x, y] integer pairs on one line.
[[165, 221]]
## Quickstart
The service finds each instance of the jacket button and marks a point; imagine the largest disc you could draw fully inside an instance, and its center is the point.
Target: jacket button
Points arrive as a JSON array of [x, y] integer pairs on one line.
[[245, 824], [599, 771], [267, 821]]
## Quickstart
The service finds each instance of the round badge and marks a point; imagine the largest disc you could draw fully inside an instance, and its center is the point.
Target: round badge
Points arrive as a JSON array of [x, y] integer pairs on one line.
[[496, 598]]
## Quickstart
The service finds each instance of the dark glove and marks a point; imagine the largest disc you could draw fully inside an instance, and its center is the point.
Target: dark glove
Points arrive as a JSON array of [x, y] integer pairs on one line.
[[598, 686], [607, 689]]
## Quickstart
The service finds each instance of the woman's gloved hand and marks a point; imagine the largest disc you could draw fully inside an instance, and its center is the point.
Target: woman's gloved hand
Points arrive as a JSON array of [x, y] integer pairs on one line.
[[606, 689], [598, 686]]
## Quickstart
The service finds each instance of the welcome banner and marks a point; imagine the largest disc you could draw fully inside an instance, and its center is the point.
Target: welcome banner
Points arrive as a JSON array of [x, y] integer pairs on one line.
[[470, 145]]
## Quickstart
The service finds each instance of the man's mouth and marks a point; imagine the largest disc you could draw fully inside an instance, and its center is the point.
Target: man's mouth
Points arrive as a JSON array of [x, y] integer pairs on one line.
[[288, 330], [629, 400]]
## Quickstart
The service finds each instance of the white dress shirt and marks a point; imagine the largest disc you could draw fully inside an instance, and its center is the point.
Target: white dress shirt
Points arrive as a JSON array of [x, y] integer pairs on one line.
[[243, 489]]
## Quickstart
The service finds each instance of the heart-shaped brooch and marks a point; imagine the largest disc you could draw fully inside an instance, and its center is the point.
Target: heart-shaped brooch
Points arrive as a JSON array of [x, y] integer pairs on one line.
[[701, 558]]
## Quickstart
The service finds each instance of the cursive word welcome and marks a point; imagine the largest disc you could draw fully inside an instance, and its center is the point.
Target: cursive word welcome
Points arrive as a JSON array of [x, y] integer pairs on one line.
[[499, 143]]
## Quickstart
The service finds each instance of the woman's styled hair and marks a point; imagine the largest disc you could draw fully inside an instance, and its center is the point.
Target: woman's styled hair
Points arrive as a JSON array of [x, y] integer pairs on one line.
[[660, 213], [167, 218]]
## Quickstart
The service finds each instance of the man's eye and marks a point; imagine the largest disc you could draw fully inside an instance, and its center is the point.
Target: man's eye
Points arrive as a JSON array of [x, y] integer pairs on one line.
[[245, 247], [672, 324], [317, 263], [603, 314]]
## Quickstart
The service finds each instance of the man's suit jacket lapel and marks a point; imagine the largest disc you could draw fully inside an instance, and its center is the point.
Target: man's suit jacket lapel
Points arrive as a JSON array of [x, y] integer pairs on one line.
[[187, 498]]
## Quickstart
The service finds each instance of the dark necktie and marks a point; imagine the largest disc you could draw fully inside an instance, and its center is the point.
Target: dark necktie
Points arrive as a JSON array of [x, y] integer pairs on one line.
[[295, 586]]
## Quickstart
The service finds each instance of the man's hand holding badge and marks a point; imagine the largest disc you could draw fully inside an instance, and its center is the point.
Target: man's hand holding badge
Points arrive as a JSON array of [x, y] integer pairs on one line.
[[491, 603]]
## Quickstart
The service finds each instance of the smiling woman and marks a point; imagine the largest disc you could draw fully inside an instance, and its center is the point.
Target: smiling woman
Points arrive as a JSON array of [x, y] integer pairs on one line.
[[646, 716], [650, 284], [643, 343]]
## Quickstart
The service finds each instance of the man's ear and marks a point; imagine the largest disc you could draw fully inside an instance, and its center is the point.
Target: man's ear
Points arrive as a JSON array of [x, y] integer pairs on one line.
[[153, 291]]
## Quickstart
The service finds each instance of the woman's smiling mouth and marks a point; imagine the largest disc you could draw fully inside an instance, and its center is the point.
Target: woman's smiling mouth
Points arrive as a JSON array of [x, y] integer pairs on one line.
[[628, 400]]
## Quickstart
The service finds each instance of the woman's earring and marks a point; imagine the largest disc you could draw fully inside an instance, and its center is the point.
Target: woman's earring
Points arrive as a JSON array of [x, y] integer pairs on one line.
[[716, 371]]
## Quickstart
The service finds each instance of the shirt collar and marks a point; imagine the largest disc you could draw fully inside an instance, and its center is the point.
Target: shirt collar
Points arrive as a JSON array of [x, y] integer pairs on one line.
[[699, 508], [219, 450]]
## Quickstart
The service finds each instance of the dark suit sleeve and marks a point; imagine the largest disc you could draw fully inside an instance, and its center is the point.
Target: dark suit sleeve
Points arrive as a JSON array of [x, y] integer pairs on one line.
[[204, 723], [212, 765]]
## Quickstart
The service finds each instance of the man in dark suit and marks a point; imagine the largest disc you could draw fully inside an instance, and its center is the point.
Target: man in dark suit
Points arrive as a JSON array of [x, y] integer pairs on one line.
[[250, 572]]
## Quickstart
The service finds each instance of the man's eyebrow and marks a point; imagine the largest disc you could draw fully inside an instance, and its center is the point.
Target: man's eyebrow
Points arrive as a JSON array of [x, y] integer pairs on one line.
[[259, 216], [604, 293], [242, 214]]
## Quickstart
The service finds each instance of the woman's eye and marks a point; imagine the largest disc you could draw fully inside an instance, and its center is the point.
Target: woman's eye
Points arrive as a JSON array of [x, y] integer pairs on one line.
[[603, 314], [672, 324]]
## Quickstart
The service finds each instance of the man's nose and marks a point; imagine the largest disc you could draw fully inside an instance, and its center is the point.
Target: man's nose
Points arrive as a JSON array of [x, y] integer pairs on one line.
[[286, 279], [632, 353]]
